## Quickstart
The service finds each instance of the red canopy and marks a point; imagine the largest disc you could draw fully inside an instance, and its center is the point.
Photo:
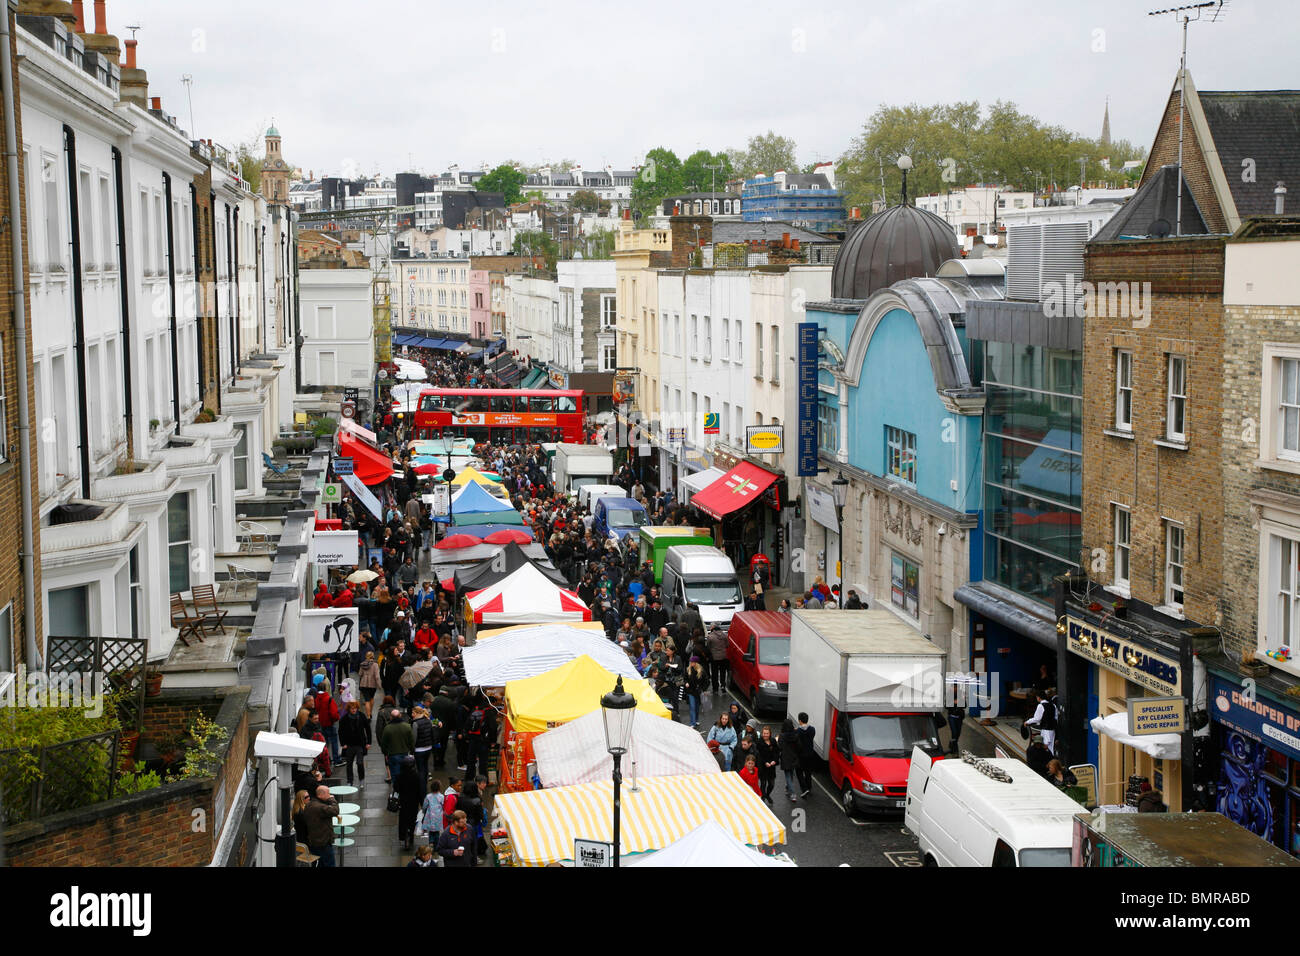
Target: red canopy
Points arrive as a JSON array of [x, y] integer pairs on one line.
[[370, 465], [740, 486], [458, 541], [428, 469], [508, 535]]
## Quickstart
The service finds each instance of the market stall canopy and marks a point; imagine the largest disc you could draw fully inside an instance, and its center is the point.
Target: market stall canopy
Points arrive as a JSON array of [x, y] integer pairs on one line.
[[529, 652], [575, 752], [742, 485], [709, 844], [536, 704], [474, 497], [500, 566], [486, 531], [473, 518], [702, 479], [543, 823], [493, 632], [447, 563], [456, 541], [1160, 746], [526, 597], [467, 475], [368, 464]]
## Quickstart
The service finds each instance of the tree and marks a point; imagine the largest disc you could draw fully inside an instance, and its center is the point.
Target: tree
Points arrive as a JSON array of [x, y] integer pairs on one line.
[[505, 180], [660, 176], [598, 244], [584, 200], [765, 154], [250, 164], [697, 177], [536, 243]]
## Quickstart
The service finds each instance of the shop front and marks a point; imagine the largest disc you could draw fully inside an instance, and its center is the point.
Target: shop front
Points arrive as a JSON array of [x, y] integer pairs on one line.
[[1257, 739], [745, 505], [1130, 688]]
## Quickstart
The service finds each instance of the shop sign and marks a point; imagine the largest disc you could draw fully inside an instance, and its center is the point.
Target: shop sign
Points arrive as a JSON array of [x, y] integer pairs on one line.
[[821, 506], [625, 389], [1122, 656], [1156, 715], [329, 630], [364, 495], [342, 466], [351, 393], [1086, 774], [711, 423], [764, 439], [806, 396], [558, 378], [332, 493], [1277, 727], [590, 854], [676, 436], [333, 548]]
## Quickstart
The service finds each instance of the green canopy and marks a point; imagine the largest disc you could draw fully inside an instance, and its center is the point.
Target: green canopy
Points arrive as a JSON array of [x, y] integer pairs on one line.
[[470, 518]]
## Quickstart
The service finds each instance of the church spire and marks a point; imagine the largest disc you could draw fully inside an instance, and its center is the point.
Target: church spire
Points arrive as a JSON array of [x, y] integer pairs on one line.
[[1105, 126]]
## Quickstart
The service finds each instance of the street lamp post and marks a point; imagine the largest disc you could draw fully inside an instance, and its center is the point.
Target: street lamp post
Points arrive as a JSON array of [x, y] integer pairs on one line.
[[618, 708], [840, 491]]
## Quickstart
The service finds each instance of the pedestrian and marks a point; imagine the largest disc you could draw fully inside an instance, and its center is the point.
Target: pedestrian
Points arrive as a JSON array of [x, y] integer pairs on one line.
[[354, 735], [788, 744], [721, 740], [720, 675], [423, 857], [853, 602], [425, 738], [369, 680], [696, 681], [737, 719], [431, 812], [1045, 718], [1058, 775], [449, 800], [318, 820], [397, 741], [956, 715], [769, 757], [300, 801], [749, 774], [456, 844], [471, 802], [807, 754], [410, 794], [744, 749]]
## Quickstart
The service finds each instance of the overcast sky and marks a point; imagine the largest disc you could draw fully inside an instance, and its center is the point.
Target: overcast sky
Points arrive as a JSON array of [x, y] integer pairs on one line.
[[390, 85]]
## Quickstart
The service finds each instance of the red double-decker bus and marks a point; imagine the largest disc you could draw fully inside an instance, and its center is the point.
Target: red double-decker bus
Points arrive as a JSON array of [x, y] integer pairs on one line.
[[502, 415]]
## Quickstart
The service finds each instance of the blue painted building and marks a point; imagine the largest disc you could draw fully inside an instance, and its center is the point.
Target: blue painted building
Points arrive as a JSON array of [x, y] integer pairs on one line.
[[808, 200], [900, 412]]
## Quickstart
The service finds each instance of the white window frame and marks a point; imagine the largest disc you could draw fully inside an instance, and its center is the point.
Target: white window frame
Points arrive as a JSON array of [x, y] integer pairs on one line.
[[1124, 390], [1121, 524], [758, 351], [902, 442], [775, 378], [608, 315], [1175, 568], [186, 543], [1272, 451], [1175, 401], [708, 339]]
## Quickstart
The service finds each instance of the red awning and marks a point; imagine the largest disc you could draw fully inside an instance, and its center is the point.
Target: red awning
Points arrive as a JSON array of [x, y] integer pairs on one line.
[[368, 464], [742, 485]]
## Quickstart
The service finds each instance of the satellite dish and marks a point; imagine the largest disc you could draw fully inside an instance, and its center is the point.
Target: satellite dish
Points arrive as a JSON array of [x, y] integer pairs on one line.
[[1159, 229]]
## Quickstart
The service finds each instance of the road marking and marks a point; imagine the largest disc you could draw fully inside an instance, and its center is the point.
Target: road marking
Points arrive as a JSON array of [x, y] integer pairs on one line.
[[840, 806], [904, 857]]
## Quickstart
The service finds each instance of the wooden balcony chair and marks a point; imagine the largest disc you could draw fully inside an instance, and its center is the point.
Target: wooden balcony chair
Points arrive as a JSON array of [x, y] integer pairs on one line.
[[183, 622], [206, 609]]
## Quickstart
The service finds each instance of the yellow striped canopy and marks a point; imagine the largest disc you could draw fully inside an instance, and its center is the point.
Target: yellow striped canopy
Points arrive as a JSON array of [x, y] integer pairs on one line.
[[543, 823]]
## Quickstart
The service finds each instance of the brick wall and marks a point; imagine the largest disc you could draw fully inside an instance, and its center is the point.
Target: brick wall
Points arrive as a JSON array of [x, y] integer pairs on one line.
[[209, 370], [14, 208], [170, 714], [1158, 483], [1164, 152], [684, 238]]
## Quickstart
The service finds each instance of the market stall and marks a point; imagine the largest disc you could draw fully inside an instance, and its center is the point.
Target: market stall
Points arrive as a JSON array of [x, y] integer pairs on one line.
[[537, 704], [528, 652], [710, 845], [502, 565], [541, 825], [526, 596], [575, 753], [491, 632]]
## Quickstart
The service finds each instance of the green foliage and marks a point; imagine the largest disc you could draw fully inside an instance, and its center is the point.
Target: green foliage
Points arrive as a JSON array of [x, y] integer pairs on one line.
[[696, 175], [204, 759], [957, 144], [323, 427], [584, 200], [250, 162], [598, 244], [135, 779], [535, 243], [660, 176], [764, 155], [505, 180]]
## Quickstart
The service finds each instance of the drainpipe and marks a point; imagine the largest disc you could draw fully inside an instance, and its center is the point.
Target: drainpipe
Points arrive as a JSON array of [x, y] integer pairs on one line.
[[124, 306], [261, 287], [216, 291], [297, 306], [171, 305], [234, 313], [27, 556], [198, 286], [78, 308], [238, 310]]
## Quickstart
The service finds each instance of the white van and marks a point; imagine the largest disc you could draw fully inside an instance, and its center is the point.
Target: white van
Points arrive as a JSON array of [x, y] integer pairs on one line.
[[975, 811], [588, 495], [704, 576]]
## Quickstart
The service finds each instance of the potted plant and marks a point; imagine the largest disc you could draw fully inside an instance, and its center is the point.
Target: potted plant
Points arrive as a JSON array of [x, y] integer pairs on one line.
[[153, 424], [153, 679], [205, 416], [1121, 608], [1251, 667]]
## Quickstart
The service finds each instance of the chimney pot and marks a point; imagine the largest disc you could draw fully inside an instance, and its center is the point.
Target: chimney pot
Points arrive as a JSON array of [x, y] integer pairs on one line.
[[101, 18], [130, 54], [79, 11], [155, 102]]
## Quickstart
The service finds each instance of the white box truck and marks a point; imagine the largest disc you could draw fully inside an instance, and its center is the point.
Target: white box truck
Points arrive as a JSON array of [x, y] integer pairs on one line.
[[873, 689], [577, 465]]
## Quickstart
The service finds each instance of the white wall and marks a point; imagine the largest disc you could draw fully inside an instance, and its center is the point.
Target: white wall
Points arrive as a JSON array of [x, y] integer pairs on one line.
[[338, 324]]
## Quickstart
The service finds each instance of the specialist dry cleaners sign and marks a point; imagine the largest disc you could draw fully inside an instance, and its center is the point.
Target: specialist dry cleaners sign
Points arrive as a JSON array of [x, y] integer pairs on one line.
[[1127, 658]]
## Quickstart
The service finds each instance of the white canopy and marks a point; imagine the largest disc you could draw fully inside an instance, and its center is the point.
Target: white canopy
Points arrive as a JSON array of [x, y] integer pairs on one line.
[[575, 752], [530, 651], [410, 371], [709, 844], [701, 479], [1160, 746], [526, 597]]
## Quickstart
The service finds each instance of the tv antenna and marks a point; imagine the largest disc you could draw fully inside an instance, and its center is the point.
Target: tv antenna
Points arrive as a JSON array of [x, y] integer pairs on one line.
[[133, 28], [1210, 10], [188, 80]]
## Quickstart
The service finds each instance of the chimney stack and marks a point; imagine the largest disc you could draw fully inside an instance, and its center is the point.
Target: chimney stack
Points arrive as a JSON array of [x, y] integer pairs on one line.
[[79, 11], [101, 41], [61, 10], [135, 82], [1279, 201], [101, 18]]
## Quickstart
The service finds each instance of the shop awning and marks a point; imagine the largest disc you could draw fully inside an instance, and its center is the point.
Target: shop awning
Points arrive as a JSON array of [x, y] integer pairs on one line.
[[1160, 746], [742, 485], [700, 480], [543, 823], [535, 376], [575, 753], [368, 464]]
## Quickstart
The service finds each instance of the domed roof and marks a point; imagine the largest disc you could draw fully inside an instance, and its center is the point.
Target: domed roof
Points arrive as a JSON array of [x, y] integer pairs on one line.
[[902, 242], [272, 131]]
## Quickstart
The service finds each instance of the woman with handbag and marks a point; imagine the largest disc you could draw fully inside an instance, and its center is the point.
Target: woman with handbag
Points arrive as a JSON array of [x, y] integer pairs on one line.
[[696, 681], [722, 740], [769, 756]]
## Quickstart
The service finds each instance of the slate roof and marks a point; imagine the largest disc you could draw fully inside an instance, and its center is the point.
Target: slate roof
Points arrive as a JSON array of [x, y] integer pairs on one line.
[[1260, 125], [1155, 202], [736, 231]]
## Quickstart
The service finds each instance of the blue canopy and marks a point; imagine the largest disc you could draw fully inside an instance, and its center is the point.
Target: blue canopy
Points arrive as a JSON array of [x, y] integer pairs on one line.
[[475, 497]]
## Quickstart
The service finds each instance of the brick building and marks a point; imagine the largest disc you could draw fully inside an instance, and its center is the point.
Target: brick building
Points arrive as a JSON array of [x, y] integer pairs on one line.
[[1172, 388]]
